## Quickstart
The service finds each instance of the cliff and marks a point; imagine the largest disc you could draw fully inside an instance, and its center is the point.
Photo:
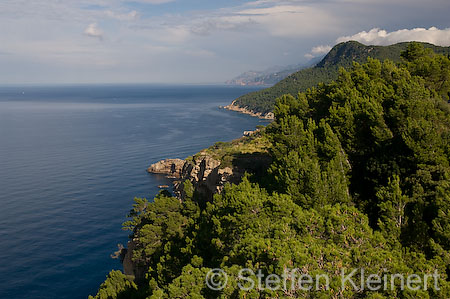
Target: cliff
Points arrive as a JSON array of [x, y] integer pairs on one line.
[[206, 175], [208, 171], [202, 170], [129, 267], [224, 162]]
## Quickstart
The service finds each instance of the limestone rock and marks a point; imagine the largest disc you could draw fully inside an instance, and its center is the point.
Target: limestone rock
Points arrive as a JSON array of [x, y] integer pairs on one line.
[[206, 176], [170, 167]]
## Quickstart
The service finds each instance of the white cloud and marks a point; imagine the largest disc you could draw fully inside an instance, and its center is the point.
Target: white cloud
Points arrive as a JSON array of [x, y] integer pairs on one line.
[[161, 44], [130, 16], [376, 36], [154, 1], [172, 34], [279, 20], [93, 31], [277, 9], [317, 51], [232, 23], [320, 50], [294, 21], [199, 53]]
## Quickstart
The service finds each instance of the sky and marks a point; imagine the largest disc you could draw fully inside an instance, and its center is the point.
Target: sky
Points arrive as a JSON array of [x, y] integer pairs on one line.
[[194, 41]]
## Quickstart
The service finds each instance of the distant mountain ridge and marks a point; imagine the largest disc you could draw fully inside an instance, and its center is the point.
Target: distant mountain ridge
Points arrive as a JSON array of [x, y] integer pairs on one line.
[[342, 55], [269, 76], [255, 78]]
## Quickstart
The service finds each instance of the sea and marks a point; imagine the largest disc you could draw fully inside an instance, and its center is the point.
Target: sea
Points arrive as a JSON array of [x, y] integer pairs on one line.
[[73, 158]]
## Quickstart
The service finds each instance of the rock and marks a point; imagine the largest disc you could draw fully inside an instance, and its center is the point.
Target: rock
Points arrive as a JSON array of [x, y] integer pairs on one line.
[[170, 167], [129, 266], [205, 173], [206, 176]]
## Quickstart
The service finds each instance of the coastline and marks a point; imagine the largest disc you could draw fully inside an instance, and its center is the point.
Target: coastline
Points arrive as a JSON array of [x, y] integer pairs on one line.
[[207, 173], [234, 107]]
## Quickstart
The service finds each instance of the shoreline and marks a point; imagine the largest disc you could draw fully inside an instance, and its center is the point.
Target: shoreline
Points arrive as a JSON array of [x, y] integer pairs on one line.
[[234, 107]]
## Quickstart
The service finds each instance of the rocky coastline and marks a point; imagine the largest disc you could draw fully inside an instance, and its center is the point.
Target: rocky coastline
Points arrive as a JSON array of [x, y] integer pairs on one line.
[[234, 107], [204, 172], [207, 178], [170, 167]]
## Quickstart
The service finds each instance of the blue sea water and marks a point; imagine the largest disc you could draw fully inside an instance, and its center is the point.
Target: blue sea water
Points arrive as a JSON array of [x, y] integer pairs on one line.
[[72, 158]]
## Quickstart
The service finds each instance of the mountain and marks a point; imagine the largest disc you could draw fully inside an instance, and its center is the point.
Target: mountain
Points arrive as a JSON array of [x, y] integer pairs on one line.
[[269, 76], [342, 55]]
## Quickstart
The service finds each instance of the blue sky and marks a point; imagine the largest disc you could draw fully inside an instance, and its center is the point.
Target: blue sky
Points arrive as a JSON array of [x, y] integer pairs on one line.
[[194, 41]]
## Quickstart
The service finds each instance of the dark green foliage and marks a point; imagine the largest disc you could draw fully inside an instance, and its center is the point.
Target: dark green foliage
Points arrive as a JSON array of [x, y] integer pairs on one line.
[[309, 161], [389, 123], [264, 100], [342, 55], [360, 178], [435, 69], [117, 286], [392, 204]]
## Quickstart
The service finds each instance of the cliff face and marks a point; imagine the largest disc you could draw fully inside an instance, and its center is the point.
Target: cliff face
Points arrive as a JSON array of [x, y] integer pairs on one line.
[[203, 171], [129, 267], [206, 176]]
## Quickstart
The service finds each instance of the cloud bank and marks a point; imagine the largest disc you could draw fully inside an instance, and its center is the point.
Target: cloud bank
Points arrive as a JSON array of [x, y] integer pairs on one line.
[[376, 36], [154, 1], [149, 41]]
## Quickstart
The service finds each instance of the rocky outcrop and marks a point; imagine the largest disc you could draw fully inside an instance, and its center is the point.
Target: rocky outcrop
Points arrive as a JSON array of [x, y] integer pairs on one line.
[[234, 107], [206, 176], [170, 167], [129, 266], [203, 171], [206, 173]]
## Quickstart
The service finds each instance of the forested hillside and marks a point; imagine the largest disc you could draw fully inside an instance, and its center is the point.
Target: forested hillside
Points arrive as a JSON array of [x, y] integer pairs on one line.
[[270, 76], [360, 178], [342, 55]]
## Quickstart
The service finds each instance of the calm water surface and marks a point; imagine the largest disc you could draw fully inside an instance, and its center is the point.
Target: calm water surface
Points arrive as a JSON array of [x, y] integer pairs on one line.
[[72, 158]]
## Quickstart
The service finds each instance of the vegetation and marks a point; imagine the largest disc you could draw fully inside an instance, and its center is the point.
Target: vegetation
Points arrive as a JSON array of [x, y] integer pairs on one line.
[[342, 55], [257, 144], [360, 178]]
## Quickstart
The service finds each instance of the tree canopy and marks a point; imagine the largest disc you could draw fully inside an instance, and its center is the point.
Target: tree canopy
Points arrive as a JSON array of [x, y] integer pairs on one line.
[[360, 178]]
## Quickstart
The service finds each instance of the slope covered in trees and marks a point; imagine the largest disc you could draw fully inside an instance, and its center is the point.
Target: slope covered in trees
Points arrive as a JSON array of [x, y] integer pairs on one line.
[[360, 179], [342, 55], [270, 76]]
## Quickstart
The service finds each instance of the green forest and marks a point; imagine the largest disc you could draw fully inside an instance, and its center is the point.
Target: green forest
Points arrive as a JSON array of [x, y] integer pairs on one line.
[[342, 55], [359, 178]]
